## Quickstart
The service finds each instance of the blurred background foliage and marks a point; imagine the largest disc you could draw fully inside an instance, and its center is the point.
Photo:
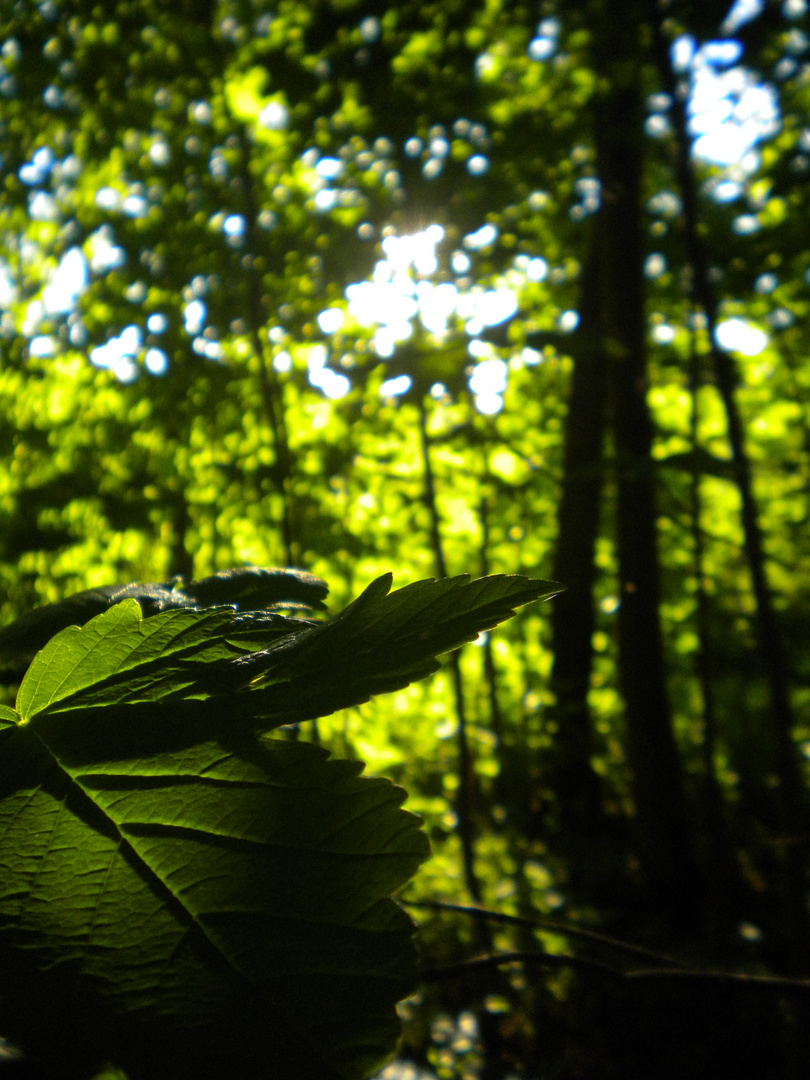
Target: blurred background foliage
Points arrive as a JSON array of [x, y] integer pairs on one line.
[[463, 287]]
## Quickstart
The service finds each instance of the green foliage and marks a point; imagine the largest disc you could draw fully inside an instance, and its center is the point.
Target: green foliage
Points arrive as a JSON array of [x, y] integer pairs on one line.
[[211, 185], [182, 894]]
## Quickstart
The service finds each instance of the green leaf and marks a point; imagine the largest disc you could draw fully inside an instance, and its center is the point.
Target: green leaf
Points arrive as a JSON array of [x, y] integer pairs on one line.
[[120, 657], [380, 643], [153, 897], [119, 653], [8, 717], [169, 873], [274, 670]]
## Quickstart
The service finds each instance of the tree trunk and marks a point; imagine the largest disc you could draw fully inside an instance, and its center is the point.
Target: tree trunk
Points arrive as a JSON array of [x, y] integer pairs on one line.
[[569, 773], [662, 833], [790, 794]]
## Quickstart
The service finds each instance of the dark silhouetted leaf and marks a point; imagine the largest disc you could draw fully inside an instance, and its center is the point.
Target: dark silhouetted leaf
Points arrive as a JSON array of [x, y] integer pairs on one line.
[[247, 588]]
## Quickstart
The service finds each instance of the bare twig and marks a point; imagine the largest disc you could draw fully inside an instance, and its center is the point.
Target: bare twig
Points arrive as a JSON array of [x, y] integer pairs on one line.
[[523, 956], [549, 925], [673, 969]]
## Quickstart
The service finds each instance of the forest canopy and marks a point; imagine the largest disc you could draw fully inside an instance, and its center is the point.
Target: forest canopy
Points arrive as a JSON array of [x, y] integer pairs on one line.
[[444, 288]]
